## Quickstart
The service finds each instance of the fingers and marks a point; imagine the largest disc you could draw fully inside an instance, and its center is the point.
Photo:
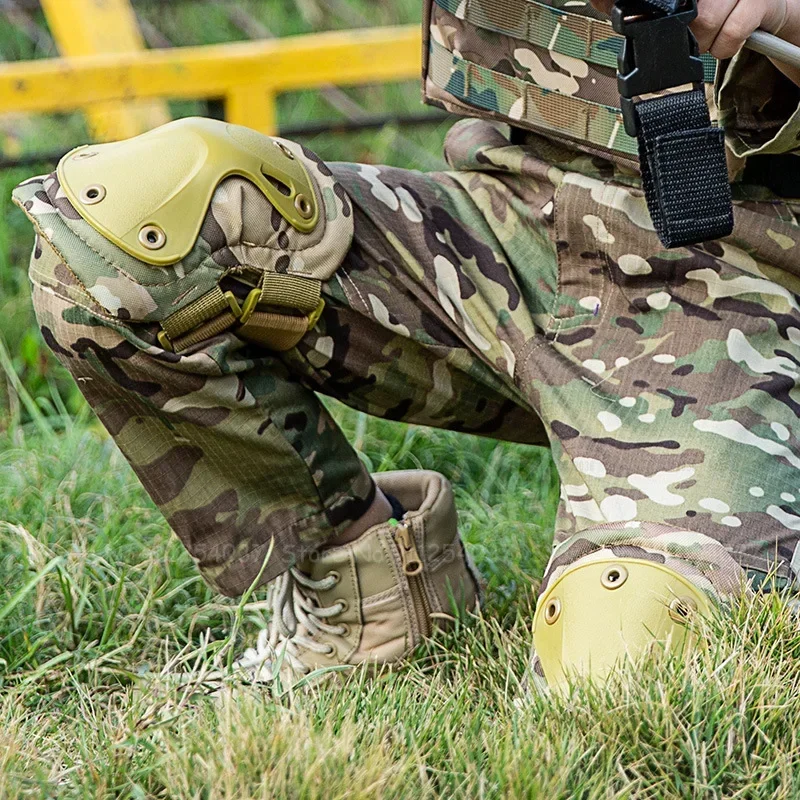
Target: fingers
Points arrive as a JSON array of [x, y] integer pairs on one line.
[[723, 26], [745, 18], [712, 16], [605, 6]]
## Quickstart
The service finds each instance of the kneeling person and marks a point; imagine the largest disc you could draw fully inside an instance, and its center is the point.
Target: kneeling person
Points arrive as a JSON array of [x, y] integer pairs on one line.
[[203, 283]]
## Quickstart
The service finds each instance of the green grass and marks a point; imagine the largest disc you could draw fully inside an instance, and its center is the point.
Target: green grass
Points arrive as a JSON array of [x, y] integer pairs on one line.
[[97, 597]]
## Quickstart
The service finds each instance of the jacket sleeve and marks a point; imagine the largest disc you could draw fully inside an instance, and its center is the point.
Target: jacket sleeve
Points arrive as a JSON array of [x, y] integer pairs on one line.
[[759, 106]]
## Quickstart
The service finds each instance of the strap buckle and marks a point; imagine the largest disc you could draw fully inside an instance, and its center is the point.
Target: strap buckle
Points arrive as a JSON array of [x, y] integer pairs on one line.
[[244, 312], [659, 52], [280, 331]]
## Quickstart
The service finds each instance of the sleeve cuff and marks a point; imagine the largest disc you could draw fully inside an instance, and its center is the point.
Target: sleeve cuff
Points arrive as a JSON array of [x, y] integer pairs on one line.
[[759, 107]]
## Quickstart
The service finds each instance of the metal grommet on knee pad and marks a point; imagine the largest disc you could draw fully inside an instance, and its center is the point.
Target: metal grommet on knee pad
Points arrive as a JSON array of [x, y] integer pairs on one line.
[[682, 609], [284, 149], [553, 611], [614, 577], [92, 194], [303, 206], [152, 237]]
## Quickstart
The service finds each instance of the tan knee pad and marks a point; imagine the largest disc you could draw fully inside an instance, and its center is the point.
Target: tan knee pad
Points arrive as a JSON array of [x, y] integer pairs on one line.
[[200, 226], [600, 614]]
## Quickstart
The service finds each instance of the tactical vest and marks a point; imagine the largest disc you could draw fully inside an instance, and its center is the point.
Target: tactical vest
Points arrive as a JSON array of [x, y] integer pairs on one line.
[[550, 68]]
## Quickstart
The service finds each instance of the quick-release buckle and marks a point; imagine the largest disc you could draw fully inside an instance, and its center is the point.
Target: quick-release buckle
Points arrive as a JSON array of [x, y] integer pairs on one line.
[[243, 312], [660, 52]]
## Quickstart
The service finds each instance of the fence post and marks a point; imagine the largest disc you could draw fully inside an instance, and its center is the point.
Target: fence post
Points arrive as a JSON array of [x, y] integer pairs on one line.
[[88, 27], [254, 107]]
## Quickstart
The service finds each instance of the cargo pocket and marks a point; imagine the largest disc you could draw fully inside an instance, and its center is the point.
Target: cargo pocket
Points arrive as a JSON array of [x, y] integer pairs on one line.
[[582, 239]]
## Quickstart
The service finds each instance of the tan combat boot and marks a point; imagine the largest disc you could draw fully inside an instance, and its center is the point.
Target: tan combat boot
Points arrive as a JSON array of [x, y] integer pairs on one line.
[[375, 599]]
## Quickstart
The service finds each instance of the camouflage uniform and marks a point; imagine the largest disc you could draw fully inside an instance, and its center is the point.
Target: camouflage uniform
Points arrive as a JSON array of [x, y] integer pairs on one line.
[[522, 295]]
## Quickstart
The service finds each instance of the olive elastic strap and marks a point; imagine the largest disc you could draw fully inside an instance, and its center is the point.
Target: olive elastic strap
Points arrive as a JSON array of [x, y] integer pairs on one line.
[[255, 319]]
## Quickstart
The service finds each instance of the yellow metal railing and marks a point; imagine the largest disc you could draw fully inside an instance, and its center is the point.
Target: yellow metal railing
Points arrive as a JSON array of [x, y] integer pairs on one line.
[[87, 27], [247, 75]]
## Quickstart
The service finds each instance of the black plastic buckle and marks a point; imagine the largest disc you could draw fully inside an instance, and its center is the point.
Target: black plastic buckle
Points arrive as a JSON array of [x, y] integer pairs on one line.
[[660, 52]]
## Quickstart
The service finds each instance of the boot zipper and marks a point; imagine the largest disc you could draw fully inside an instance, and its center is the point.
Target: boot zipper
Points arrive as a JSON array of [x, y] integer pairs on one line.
[[412, 567]]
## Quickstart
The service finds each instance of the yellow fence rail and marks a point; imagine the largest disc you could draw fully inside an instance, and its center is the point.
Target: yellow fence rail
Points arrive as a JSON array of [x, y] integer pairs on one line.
[[88, 27], [248, 76]]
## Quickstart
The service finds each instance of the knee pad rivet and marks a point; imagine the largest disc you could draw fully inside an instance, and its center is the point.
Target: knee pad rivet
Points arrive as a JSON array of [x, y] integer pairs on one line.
[[304, 207], [93, 194], [681, 609], [285, 150], [614, 576], [553, 611], [152, 237]]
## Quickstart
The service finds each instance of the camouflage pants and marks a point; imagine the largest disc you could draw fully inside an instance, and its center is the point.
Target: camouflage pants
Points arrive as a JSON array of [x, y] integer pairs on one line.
[[523, 295]]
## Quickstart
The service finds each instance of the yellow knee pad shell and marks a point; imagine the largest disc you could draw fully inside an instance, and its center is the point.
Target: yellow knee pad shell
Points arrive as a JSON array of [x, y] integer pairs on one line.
[[149, 195], [599, 614]]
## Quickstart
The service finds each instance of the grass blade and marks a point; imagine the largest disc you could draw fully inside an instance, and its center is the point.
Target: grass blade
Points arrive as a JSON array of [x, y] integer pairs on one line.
[[25, 590]]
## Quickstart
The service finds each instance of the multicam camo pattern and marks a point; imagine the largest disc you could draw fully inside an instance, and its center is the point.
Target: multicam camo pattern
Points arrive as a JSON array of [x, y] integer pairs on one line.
[[696, 556], [576, 30], [471, 68], [523, 295], [226, 443], [166, 412], [551, 67]]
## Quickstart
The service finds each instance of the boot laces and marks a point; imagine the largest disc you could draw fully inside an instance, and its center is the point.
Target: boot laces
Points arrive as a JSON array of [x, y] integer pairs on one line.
[[296, 619]]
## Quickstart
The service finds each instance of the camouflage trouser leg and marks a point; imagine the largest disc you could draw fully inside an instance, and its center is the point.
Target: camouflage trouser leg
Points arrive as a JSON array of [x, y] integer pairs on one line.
[[523, 295]]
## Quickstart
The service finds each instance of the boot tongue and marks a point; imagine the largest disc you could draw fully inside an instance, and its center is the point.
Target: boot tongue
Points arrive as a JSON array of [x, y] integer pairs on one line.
[[306, 566], [325, 561], [398, 512]]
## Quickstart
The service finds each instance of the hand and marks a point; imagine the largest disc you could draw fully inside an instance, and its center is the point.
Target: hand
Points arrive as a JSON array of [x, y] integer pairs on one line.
[[723, 26]]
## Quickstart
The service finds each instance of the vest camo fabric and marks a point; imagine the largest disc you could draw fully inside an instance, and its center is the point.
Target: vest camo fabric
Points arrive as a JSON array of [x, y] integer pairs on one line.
[[547, 67]]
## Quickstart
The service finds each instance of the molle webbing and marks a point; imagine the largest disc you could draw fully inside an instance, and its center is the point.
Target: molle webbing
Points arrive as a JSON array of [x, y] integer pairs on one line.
[[568, 33], [530, 105], [490, 79]]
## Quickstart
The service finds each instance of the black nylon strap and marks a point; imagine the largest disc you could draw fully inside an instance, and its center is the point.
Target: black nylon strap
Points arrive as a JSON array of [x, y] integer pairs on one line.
[[666, 6], [684, 171], [682, 156]]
